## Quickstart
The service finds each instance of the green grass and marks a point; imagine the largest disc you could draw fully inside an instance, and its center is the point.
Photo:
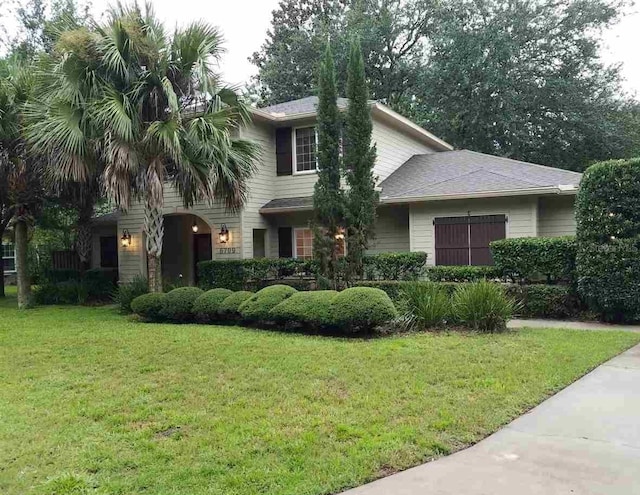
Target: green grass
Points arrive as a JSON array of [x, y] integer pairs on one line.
[[92, 402]]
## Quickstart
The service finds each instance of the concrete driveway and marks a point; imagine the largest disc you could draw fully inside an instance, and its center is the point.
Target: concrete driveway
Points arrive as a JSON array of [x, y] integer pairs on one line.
[[583, 440]]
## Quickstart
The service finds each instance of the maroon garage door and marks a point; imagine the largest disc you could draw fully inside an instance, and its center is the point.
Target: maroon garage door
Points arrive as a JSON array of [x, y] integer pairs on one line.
[[465, 240]]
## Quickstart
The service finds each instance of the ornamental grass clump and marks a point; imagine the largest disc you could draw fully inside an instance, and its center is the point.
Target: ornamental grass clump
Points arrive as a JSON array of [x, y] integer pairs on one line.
[[482, 306], [426, 305]]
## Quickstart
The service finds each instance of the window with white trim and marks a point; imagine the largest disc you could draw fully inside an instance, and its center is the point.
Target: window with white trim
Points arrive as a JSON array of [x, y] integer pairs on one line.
[[303, 243], [306, 149], [8, 258]]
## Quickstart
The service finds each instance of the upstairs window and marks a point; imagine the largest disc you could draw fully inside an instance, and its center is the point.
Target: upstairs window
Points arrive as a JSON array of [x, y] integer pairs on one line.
[[305, 149], [8, 258]]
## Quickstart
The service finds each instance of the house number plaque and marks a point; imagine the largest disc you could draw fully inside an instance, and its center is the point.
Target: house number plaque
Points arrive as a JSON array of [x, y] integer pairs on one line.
[[227, 250]]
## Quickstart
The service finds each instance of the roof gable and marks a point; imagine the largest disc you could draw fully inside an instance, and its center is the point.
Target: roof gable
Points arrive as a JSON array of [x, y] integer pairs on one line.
[[463, 172]]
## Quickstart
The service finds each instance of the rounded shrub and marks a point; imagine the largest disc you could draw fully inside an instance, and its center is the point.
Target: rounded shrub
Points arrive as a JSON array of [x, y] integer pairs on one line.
[[178, 303], [312, 308], [482, 306], [258, 306], [206, 306], [608, 236], [228, 308], [150, 306], [361, 308]]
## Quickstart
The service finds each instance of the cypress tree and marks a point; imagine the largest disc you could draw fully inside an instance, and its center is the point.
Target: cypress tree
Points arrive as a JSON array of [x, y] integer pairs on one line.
[[328, 197], [359, 159]]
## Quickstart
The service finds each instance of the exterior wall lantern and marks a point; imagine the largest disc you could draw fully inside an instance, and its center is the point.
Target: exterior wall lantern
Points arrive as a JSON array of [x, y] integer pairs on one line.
[[223, 236], [194, 227], [125, 240]]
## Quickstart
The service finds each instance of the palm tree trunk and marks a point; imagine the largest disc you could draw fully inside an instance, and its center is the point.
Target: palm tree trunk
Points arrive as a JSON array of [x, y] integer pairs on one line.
[[83, 243], [24, 286], [154, 231]]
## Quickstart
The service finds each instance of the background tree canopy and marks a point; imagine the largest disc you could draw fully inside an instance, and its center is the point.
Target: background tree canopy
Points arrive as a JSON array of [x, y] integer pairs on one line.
[[521, 79]]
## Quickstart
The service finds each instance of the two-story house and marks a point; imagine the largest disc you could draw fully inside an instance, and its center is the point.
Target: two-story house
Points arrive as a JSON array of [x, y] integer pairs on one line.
[[448, 203]]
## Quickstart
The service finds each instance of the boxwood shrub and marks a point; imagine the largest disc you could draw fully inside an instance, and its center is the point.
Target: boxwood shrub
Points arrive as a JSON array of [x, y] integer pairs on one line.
[[608, 233], [306, 308], [361, 308], [229, 307], [178, 304], [205, 308], [532, 258], [257, 308], [149, 306]]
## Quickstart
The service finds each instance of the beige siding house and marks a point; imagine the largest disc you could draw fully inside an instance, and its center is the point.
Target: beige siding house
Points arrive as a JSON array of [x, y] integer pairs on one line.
[[447, 203]]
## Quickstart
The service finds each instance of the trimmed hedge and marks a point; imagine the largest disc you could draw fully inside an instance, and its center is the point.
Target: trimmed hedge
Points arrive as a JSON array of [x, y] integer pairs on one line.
[[257, 308], [178, 304], [307, 308], [229, 308], [546, 301], [242, 274], [608, 232], [206, 306], [362, 308], [529, 258], [258, 273], [150, 306], [461, 273], [395, 266]]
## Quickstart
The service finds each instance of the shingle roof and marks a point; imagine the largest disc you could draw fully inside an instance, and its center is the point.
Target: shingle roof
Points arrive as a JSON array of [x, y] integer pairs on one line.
[[303, 105], [107, 218], [286, 203], [468, 172]]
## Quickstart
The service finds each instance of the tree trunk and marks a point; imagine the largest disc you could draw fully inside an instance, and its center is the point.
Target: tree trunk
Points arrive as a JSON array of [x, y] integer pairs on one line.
[[2, 294], [83, 244], [24, 286], [154, 231]]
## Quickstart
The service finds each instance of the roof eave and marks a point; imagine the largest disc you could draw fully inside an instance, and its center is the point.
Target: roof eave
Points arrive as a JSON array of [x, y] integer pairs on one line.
[[539, 191], [284, 209], [376, 108]]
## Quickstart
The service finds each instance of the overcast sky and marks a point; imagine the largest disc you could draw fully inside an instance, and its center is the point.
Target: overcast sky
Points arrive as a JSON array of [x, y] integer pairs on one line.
[[245, 23]]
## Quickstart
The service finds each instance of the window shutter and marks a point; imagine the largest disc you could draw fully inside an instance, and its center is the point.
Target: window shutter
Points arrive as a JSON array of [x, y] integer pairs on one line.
[[284, 155], [285, 242]]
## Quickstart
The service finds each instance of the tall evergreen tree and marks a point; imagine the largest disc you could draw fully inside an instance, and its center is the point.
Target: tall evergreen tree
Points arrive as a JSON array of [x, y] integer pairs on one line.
[[328, 197], [359, 159]]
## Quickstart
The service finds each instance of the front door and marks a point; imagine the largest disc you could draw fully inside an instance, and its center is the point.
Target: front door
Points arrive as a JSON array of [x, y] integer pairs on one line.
[[201, 251]]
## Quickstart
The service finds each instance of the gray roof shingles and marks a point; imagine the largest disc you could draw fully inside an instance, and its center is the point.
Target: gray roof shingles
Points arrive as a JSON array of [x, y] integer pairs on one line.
[[469, 172], [298, 203], [303, 105]]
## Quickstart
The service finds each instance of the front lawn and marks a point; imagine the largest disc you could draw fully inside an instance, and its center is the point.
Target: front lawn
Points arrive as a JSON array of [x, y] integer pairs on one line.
[[91, 402]]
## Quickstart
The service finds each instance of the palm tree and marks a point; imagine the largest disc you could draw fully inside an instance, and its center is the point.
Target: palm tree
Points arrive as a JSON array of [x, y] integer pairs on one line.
[[21, 173], [146, 109]]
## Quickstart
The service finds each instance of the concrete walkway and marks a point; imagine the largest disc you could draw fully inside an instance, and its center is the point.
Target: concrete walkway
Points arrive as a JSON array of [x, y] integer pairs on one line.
[[572, 325], [584, 440]]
